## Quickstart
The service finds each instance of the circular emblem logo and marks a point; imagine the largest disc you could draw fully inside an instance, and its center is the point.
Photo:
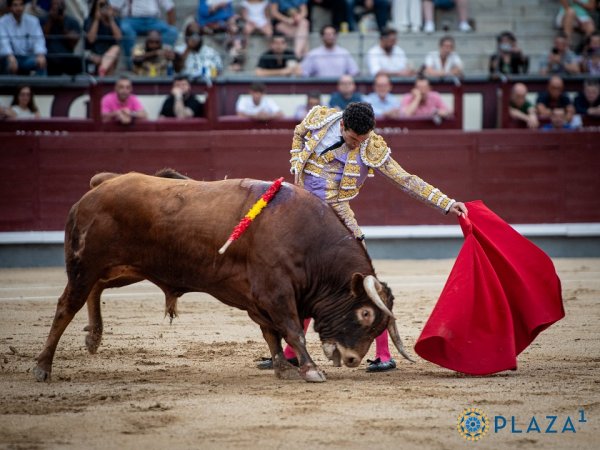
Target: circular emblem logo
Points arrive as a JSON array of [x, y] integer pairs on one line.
[[473, 424]]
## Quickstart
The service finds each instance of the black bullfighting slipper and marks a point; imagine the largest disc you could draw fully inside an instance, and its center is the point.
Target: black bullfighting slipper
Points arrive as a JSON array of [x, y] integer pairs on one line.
[[267, 363], [379, 366]]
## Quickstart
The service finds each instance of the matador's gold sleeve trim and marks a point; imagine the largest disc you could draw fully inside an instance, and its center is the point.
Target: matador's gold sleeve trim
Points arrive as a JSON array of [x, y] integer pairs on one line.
[[376, 151], [415, 186], [319, 116]]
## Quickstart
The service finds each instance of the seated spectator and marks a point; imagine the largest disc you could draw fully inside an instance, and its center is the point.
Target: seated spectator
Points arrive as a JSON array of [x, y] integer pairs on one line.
[[461, 9], [387, 57], [312, 99], [407, 15], [558, 120], [576, 14], [141, 17], [21, 56], [587, 103], [520, 108], [181, 104], [102, 37], [7, 113], [445, 61], [290, 18], [561, 60], [509, 58], [23, 104], [329, 60], [255, 14], [121, 105], [196, 59], [279, 61], [422, 102], [62, 34], [591, 43], [554, 97], [385, 105], [219, 17], [379, 8], [590, 62], [257, 106], [345, 94], [153, 58]]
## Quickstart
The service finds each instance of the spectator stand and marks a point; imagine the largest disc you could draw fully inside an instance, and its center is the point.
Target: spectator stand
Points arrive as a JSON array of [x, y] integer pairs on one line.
[[220, 97], [228, 90], [535, 85], [73, 103]]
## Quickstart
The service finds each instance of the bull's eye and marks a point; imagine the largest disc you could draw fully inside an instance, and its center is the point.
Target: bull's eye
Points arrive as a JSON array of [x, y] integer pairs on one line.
[[365, 316]]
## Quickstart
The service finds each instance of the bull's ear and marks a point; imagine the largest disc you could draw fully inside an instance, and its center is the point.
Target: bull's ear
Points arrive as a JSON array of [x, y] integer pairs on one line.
[[357, 284]]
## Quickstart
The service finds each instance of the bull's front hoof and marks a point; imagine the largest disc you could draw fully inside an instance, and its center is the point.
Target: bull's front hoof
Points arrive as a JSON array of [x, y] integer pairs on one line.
[[314, 376], [41, 374], [92, 342]]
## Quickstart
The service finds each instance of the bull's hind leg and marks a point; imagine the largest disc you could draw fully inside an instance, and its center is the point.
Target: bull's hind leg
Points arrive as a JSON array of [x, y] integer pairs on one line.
[[283, 369], [69, 303], [116, 277], [94, 326]]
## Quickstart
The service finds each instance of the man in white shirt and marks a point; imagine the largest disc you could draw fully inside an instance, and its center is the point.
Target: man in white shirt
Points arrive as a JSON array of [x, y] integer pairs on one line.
[[143, 16], [257, 106], [22, 44], [445, 61], [387, 57]]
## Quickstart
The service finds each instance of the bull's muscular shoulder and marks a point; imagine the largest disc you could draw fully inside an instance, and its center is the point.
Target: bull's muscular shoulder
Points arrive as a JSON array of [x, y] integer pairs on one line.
[[320, 116], [376, 152]]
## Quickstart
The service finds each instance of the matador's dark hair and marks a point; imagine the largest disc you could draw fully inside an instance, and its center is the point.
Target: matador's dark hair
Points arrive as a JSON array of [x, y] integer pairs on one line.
[[359, 117]]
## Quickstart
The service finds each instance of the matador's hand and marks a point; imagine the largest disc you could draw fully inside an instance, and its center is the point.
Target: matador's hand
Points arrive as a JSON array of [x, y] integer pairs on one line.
[[459, 209]]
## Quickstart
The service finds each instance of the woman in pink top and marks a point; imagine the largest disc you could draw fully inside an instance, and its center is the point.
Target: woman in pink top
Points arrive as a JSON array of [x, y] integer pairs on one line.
[[423, 102], [121, 105]]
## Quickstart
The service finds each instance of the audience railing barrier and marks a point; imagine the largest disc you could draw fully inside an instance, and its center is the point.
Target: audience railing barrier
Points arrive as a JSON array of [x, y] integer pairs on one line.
[[222, 94]]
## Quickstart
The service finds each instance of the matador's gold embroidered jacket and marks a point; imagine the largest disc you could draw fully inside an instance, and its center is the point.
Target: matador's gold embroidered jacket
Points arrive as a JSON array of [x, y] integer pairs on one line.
[[337, 175]]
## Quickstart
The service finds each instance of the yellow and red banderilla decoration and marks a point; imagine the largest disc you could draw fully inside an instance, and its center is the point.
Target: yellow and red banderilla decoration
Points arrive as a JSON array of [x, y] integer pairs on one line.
[[252, 213]]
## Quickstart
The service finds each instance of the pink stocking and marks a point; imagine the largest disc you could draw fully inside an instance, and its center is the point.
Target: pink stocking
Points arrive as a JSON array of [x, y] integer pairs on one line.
[[382, 350]]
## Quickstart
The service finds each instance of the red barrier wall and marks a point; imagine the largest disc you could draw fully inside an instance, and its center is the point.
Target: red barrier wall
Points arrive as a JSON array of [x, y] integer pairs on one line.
[[525, 176]]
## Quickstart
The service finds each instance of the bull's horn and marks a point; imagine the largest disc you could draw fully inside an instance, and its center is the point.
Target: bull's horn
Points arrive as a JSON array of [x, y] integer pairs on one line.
[[370, 283], [393, 331]]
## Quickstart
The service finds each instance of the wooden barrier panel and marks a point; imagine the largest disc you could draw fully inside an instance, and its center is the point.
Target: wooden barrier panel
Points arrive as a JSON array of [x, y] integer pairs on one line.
[[525, 176]]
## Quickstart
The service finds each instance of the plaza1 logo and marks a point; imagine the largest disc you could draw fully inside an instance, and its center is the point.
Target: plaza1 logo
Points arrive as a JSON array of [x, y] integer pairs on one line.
[[473, 424]]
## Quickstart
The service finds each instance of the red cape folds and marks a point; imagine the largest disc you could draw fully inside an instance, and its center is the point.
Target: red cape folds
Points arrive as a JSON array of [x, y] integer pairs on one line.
[[501, 293]]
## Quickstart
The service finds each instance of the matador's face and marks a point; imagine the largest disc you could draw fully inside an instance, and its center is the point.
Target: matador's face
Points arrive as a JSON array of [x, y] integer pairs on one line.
[[351, 138]]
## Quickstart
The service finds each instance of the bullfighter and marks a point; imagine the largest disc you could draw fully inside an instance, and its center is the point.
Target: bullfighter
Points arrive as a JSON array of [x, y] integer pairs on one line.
[[332, 155]]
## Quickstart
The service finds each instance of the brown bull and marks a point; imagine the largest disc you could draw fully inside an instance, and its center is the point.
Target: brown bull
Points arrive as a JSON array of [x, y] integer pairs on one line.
[[135, 227]]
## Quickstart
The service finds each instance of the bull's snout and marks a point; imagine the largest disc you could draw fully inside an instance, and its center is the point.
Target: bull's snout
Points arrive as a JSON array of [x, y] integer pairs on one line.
[[352, 361], [349, 357]]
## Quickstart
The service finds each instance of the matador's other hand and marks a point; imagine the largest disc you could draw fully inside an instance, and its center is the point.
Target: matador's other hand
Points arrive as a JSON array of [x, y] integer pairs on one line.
[[459, 209]]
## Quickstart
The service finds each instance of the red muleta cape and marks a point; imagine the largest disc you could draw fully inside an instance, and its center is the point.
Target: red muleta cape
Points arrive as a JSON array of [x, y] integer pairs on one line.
[[501, 293]]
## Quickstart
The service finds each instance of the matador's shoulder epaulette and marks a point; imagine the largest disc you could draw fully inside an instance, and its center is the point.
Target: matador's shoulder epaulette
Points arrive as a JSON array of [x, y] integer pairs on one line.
[[320, 116], [376, 152]]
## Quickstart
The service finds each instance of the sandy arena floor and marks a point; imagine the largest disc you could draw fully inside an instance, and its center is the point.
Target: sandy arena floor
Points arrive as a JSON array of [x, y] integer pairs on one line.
[[193, 384]]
